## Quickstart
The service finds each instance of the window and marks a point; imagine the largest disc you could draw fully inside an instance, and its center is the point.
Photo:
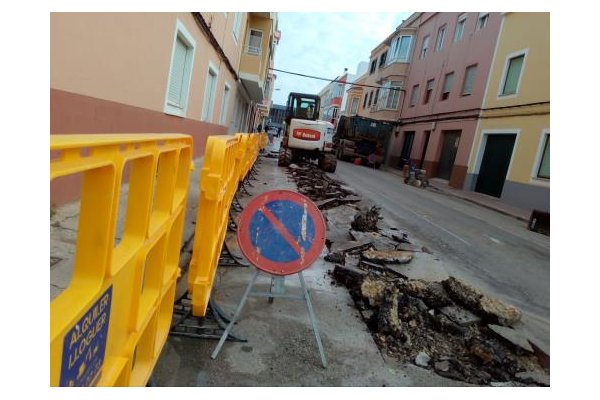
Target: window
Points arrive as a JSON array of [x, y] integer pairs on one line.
[[544, 167], [439, 42], [513, 75], [354, 106], [224, 105], [365, 101], [180, 72], [376, 97], [373, 66], [425, 46], [370, 98], [237, 23], [428, 91], [448, 81], [483, 20], [401, 49], [467, 87], [209, 93], [392, 96], [460, 27], [255, 42], [382, 59], [414, 95]]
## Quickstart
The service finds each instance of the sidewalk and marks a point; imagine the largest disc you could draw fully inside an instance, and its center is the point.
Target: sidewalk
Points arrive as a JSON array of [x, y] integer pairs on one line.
[[493, 203]]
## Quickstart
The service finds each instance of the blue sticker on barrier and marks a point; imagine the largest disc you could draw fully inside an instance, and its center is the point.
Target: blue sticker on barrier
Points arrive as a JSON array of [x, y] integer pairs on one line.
[[273, 244], [85, 344]]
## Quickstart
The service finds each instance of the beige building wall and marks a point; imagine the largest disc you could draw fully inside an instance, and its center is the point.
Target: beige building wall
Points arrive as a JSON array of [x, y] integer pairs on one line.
[[256, 64], [125, 58]]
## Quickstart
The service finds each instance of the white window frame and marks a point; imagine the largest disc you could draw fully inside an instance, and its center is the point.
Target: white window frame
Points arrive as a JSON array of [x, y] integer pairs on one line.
[[185, 35], [225, 103], [461, 18], [237, 24], [487, 21], [485, 133], [395, 50], [391, 92], [424, 49], [262, 38], [538, 159], [509, 57], [439, 41], [207, 114]]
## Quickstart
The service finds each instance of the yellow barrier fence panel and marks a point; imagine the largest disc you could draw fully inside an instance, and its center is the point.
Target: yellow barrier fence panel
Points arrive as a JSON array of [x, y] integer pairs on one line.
[[245, 149], [218, 184], [263, 140], [108, 327]]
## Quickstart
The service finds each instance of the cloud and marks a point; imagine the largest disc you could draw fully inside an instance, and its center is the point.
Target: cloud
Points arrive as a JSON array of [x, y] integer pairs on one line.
[[323, 44]]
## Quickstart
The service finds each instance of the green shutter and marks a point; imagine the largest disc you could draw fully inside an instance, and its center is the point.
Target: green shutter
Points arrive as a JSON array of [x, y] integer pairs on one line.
[[512, 75], [177, 73], [544, 171]]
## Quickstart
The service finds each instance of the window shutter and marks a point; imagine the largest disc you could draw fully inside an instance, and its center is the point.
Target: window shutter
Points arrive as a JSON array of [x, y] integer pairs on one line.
[[178, 73], [469, 79], [512, 76]]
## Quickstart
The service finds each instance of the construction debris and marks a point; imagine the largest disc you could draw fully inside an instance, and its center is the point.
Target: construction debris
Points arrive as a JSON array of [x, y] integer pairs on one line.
[[419, 322], [491, 309], [319, 187], [389, 256], [449, 327], [366, 220]]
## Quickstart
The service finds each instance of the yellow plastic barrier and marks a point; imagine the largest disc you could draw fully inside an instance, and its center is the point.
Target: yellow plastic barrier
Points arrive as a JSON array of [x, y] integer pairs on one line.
[[223, 165], [109, 325], [246, 154], [263, 140]]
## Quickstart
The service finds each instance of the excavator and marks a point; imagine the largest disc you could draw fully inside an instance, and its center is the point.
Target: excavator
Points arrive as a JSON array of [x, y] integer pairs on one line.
[[305, 136]]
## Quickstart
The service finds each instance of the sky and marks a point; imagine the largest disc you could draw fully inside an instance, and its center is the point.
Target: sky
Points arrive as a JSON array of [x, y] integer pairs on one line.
[[323, 44]]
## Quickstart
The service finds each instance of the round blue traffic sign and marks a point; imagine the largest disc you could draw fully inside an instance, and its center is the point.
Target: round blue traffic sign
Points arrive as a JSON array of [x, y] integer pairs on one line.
[[281, 232]]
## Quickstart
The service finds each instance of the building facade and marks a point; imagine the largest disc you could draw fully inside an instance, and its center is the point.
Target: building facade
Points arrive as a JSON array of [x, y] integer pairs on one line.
[[510, 158], [197, 73], [448, 74]]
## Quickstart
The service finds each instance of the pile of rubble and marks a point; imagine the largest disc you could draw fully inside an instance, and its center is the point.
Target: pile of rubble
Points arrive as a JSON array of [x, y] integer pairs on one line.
[[319, 187], [449, 327]]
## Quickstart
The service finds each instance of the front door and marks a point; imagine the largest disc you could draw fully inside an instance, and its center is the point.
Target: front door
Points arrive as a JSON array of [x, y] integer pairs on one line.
[[494, 164], [427, 135], [449, 150], [409, 138]]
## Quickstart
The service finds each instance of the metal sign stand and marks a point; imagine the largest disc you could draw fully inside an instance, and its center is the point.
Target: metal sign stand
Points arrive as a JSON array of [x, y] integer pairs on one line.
[[279, 292]]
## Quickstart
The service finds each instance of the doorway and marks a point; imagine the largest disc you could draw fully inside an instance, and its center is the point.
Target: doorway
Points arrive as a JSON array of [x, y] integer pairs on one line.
[[427, 134], [409, 138], [449, 150], [494, 164]]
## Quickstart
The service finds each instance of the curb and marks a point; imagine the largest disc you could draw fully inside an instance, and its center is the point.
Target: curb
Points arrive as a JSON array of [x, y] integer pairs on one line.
[[501, 211]]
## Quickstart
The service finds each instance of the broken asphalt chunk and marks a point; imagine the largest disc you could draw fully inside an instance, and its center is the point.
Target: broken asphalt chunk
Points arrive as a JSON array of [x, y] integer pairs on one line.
[[472, 298], [388, 257], [513, 336]]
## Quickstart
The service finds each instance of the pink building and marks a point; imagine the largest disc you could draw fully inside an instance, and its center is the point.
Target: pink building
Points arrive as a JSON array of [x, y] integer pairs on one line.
[[451, 59]]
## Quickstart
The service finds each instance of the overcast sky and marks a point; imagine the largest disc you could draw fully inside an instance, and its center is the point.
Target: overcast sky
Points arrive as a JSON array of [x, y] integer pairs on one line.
[[323, 44]]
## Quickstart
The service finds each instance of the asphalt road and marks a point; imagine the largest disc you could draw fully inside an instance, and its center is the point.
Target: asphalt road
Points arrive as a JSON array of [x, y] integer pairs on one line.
[[490, 250]]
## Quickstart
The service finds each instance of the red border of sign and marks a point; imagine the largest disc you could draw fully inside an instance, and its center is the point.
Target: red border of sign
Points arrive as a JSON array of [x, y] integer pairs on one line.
[[264, 264]]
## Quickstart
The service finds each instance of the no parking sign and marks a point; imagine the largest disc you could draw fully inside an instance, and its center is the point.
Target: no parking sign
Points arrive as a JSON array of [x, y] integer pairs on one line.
[[281, 232]]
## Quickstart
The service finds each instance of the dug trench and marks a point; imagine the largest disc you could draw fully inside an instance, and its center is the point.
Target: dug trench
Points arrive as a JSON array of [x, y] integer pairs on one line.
[[447, 326]]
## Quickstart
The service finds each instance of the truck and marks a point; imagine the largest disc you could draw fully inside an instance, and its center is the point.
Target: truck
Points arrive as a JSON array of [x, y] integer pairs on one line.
[[362, 138], [305, 136]]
